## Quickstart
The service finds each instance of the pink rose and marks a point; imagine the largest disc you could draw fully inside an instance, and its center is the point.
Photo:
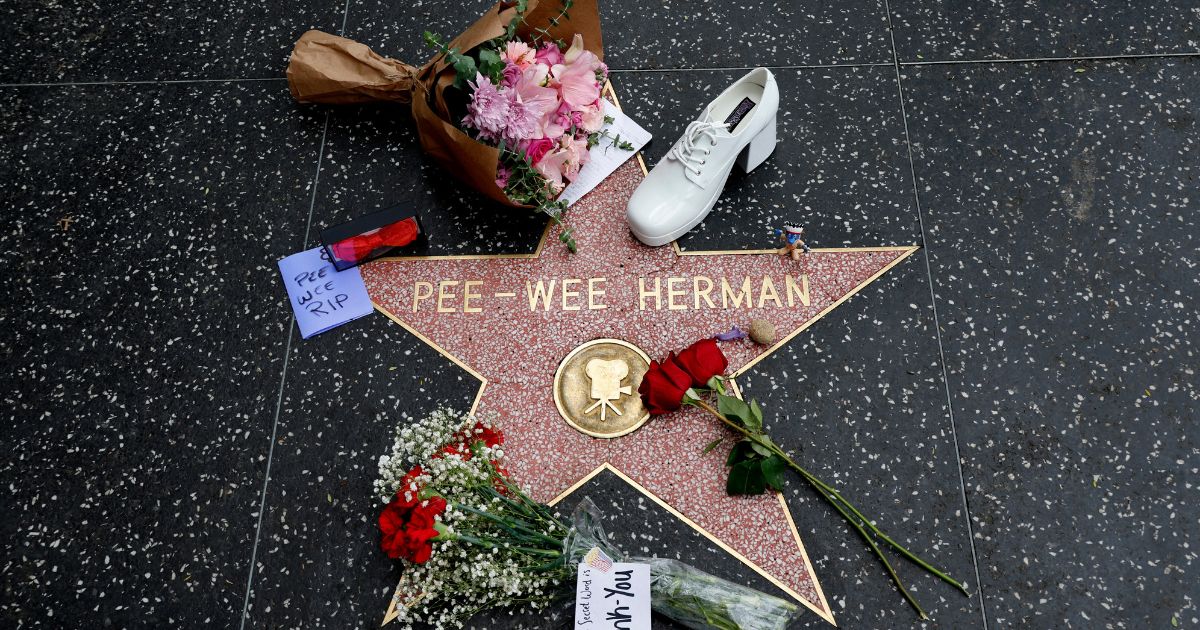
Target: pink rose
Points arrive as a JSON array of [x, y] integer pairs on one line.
[[537, 149], [549, 54], [512, 73]]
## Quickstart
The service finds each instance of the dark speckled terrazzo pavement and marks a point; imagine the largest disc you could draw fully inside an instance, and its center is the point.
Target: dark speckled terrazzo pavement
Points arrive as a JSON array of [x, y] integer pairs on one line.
[[1017, 400]]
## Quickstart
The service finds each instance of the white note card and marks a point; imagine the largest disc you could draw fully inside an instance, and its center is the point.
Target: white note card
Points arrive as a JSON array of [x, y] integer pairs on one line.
[[605, 157], [616, 599]]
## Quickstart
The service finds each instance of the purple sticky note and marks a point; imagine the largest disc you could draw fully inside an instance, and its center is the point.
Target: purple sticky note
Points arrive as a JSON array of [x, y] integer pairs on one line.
[[321, 296]]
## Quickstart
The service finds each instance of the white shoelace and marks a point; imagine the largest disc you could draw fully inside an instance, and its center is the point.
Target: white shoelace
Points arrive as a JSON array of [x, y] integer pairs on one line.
[[686, 151]]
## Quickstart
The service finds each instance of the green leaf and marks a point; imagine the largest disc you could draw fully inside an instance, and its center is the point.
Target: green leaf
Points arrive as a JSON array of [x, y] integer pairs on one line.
[[772, 470], [489, 56], [742, 451], [464, 70], [491, 64], [711, 445], [756, 412], [734, 408], [761, 450], [746, 478]]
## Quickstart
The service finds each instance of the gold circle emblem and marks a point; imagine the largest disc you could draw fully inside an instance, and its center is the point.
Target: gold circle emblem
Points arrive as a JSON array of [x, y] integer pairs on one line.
[[596, 388]]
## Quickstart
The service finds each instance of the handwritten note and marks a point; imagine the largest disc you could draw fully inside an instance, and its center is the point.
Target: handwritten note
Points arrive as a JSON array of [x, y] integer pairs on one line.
[[612, 596], [321, 296], [604, 158]]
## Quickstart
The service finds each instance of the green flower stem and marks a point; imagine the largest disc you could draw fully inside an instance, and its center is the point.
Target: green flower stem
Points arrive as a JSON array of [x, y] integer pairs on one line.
[[878, 552], [879, 532], [513, 525], [850, 513]]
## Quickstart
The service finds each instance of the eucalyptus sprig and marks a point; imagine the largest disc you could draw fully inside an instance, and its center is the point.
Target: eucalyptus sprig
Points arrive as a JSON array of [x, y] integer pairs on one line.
[[756, 463], [527, 186], [563, 14], [594, 139]]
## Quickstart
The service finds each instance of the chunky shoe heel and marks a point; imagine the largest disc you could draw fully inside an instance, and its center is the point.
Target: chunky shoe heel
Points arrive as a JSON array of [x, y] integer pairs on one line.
[[736, 129], [759, 149]]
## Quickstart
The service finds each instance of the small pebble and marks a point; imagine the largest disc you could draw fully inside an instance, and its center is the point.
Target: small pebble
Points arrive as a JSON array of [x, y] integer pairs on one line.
[[762, 332]]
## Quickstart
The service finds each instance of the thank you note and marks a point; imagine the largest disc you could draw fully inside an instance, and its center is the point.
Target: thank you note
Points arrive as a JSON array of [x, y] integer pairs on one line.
[[612, 595], [321, 296]]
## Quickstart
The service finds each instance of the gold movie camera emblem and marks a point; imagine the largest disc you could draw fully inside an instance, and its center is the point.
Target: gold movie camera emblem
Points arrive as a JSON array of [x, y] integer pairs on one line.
[[595, 388]]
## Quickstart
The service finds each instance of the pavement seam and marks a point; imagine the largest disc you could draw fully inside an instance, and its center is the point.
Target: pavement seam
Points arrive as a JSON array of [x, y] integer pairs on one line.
[[813, 66], [1131, 56], [937, 327], [262, 504]]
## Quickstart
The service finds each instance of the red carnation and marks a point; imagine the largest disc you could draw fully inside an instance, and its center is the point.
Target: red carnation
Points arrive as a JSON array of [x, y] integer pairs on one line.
[[406, 522], [424, 515], [391, 525], [702, 361], [490, 437], [418, 548]]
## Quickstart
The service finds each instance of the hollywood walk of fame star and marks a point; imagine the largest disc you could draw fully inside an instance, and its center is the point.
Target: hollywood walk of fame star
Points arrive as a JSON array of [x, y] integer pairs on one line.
[[511, 320]]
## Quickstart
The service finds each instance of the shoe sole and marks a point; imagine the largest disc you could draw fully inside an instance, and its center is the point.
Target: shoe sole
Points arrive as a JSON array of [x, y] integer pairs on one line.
[[657, 241], [751, 157]]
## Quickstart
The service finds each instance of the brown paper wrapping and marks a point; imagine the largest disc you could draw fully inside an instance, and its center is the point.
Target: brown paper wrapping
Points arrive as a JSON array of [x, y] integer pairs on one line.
[[329, 69]]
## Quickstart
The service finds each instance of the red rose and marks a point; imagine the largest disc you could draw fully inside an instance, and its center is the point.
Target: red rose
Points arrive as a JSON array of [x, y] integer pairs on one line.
[[663, 386], [702, 361]]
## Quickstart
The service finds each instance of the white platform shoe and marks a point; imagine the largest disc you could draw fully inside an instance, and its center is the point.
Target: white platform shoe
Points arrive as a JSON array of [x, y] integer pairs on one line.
[[738, 126]]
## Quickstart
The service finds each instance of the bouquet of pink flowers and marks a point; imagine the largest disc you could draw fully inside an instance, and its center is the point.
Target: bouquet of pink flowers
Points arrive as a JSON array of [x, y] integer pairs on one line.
[[543, 103], [511, 106], [538, 101]]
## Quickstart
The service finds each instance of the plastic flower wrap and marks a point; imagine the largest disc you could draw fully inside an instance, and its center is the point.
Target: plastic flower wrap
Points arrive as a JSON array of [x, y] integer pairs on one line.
[[471, 539]]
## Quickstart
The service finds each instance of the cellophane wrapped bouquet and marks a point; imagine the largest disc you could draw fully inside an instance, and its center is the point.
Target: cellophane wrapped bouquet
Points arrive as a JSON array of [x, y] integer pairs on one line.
[[511, 106], [472, 540]]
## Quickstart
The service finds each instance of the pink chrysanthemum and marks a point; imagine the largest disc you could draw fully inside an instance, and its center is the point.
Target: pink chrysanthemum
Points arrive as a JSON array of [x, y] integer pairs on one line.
[[488, 110], [524, 119]]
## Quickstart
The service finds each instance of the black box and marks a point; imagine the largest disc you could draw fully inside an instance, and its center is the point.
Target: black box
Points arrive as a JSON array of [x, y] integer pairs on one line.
[[370, 236]]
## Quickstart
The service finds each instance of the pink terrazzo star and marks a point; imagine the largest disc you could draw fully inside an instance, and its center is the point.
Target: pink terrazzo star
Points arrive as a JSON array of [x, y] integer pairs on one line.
[[491, 329]]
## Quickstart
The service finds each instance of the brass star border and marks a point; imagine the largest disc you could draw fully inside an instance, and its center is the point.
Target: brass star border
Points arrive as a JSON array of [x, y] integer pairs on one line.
[[823, 611]]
